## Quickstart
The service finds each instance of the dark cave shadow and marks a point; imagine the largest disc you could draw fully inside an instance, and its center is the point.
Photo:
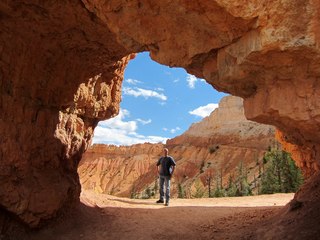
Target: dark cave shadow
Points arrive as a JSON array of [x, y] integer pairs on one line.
[[99, 223]]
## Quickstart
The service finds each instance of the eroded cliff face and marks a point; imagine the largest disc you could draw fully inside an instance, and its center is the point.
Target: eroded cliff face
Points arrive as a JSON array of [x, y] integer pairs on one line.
[[215, 146], [264, 51], [115, 170]]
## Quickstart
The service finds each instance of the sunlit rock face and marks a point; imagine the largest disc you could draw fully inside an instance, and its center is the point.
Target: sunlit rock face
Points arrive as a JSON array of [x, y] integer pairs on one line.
[[119, 170], [219, 144], [215, 145], [264, 51], [60, 73]]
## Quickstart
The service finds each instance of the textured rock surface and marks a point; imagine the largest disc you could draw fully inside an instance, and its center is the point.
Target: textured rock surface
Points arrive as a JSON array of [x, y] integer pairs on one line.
[[125, 170], [115, 170], [227, 124], [60, 72], [264, 51]]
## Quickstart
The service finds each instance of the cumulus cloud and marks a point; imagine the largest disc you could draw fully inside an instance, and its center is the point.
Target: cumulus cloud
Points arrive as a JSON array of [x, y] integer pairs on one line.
[[173, 130], [139, 92], [118, 123], [191, 80], [204, 111], [133, 81], [118, 131]]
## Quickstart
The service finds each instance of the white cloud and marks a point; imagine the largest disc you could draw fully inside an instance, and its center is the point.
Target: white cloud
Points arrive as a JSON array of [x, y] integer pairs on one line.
[[173, 130], [118, 123], [144, 122], [204, 111], [133, 81], [139, 92], [191, 80], [176, 80], [121, 137], [117, 131]]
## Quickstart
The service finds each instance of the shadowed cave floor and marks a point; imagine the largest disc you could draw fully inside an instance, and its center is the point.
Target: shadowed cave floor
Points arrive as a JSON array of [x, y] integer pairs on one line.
[[108, 217]]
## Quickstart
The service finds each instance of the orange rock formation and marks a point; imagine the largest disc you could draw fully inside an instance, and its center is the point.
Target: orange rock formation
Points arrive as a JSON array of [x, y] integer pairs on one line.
[[264, 51], [127, 170], [115, 170]]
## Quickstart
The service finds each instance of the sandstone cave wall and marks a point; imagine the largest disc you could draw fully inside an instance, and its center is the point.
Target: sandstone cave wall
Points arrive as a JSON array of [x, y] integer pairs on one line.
[[264, 51], [60, 72]]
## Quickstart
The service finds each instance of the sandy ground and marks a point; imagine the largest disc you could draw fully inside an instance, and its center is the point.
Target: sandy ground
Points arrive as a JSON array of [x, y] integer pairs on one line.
[[102, 217]]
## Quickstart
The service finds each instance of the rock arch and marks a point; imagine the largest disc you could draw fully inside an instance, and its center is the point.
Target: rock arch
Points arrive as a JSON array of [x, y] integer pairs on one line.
[[62, 64]]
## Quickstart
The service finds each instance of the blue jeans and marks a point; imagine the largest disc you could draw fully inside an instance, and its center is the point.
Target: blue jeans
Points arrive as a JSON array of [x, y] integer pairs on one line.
[[165, 185]]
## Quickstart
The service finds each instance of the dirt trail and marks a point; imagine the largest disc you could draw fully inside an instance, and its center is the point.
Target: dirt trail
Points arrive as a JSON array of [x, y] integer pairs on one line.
[[102, 217]]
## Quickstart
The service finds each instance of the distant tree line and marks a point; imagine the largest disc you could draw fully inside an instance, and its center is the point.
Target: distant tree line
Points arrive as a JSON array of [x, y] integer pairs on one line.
[[277, 174]]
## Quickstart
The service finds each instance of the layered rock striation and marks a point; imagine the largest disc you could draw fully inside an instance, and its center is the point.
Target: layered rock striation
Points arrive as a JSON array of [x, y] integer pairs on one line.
[[115, 170], [215, 146], [264, 51]]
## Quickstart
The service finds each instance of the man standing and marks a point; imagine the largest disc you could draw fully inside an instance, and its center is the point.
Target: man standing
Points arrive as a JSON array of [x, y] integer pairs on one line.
[[165, 167]]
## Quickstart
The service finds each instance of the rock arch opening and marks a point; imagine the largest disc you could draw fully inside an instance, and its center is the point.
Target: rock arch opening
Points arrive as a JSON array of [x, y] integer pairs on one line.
[[265, 52], [212, 148]]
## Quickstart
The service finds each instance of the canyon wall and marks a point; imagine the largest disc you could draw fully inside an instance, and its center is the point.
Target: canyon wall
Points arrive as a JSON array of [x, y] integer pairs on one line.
[[216, 145], [264, 51], [117, 170]]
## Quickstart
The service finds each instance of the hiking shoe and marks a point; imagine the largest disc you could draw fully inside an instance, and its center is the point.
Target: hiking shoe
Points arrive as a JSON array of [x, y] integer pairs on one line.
[[160, 201], [166, 204]]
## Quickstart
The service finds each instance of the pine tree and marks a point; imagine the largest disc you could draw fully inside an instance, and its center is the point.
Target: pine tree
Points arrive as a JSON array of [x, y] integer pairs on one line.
[[148, 193], [156, 185], [133, 193], [181, 191], [219, 191], [243, 188], [232, 188], [199, 193], [208, 180], [281, 174]]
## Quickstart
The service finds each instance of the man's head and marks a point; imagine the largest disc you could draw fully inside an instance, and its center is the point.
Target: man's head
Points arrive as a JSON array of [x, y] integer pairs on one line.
[[165, 150]]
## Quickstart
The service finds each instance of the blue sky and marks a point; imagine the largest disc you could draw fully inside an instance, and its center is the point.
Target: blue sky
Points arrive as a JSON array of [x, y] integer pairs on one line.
[[158, 103]]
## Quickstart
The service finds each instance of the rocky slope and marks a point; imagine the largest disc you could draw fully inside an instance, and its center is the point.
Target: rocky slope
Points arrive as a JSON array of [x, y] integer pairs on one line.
[[115, 170], [264, 51], [209, 148]]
